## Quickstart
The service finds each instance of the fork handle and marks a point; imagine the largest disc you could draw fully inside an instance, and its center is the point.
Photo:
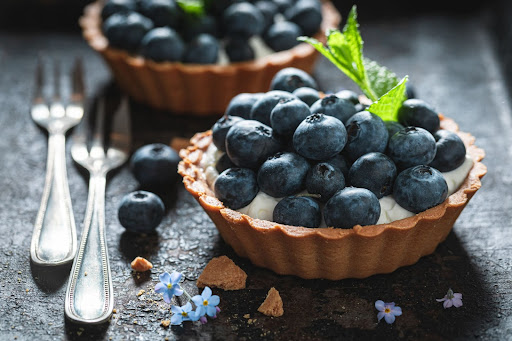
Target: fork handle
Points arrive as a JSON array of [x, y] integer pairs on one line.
[[54, 237], [89, 296]]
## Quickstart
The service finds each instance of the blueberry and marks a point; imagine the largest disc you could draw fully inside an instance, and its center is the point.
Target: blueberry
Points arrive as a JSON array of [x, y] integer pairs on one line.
[[283, 174], [220, 130], [283, 5], [341, 163], [393, 127], [126, 30], [450, 151], [298, 211], [307, 95], [334, 106], [410, 90], [161, 12], [290, 78], [155, 165], [262, 108], [239, 50], [197, 25], [241, 104], [282, 35], [366, 133], [418, 113], [325, 180], [243, 19], [307, 14], [319, 137], [361, 107], [348, 95], [412, 146], [419, 188], [224, 163], [236, 187], [269, 10], [287, 115], [350, 207], [141, 211], [117, 6], [203, 49], [375, 172], [162, 44], [249, 143]]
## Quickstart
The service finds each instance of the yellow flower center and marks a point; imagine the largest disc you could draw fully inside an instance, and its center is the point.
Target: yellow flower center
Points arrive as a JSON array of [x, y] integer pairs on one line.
[[205, 302], [169, 286], [184, 314], [387, 310]]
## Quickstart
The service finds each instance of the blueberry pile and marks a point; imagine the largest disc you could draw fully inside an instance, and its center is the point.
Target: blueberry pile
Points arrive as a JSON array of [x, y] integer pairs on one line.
[[162, 30], [326, 156]]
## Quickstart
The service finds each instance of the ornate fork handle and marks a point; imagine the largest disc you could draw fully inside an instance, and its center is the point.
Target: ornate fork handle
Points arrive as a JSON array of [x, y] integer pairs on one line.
[[54, 238], [89, 296]]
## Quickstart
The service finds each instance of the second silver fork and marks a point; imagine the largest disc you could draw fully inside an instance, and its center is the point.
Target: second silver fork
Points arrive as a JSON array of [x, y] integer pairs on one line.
[[89, 296]]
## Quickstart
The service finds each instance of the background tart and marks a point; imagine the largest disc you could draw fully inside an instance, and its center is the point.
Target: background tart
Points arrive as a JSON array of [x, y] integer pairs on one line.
[[196, 89], [327, 252]]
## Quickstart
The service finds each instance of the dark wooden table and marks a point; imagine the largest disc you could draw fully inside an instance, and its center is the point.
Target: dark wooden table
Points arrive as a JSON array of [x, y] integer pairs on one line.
[[453, 64]]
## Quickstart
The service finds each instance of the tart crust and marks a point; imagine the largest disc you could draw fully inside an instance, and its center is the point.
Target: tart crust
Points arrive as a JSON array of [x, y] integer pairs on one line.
[[194, 89], [328, 252]]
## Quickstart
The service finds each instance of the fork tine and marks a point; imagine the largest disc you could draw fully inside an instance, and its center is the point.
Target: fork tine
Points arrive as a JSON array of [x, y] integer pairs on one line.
[[38, 91], [97, 144], [78, 88], [120, 135], [56, 81]]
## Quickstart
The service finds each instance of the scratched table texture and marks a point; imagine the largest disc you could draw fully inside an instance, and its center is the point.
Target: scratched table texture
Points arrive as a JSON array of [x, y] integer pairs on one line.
[[453, 62]]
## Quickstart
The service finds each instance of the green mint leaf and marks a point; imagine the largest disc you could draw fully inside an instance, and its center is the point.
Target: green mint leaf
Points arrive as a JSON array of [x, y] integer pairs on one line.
[[388, 104], [380, 78], [192, 7]]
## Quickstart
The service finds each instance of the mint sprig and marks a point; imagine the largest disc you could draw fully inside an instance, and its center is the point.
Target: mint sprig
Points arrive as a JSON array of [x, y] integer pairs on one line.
[[345, 50], [192, 7]]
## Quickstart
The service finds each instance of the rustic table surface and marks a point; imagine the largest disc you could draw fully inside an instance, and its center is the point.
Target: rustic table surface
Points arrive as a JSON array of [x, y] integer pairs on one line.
[[453, 63]]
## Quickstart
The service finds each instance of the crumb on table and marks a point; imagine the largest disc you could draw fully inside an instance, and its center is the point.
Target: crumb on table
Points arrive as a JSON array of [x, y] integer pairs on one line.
[[273, 304], [141, 264], [221, 272], [165, 323]]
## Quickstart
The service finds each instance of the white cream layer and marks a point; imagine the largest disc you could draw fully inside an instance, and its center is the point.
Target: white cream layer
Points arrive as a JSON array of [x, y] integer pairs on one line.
[[262, 206]]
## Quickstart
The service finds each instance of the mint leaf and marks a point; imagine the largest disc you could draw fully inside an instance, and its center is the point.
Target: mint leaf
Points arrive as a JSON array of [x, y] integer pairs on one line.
[[388, 104], [192, 7], [380, 78]]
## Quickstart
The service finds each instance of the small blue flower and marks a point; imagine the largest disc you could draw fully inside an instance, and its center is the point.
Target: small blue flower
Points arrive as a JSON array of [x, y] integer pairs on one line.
[[183, 313], [169, 285], [451, 299], [388, 311], [206, 302]]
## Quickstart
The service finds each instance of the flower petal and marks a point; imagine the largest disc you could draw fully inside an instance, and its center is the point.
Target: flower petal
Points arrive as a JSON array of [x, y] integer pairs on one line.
[[211, 311], [176, 310], [165, 278], [390, 304], [447, 304], [379, 305], [214, 300], [380, 315], [160, 288], [457, 295], [397, 311], [177, 290], [187, 307], [390, 318], [194, 316], [457, 302], [207, 292], [167, 296], [176, 319], [175, 277], [200, 310], [441, 299], [198, 300]]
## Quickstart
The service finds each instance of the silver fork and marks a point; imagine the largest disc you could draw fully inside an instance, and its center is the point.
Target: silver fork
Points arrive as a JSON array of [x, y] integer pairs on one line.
[[54, 236], [89, 296]]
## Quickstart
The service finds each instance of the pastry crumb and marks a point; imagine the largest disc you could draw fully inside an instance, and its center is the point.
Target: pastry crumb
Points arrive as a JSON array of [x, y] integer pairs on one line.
[[114, 311], [141, 292], [165, 323], [221, 272], [273, 304], [141, 264], [246, 316]]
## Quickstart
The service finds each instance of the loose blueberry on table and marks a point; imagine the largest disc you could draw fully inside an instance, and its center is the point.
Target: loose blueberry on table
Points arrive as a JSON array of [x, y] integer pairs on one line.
[[324, 164], [141, 211], [195, 32]]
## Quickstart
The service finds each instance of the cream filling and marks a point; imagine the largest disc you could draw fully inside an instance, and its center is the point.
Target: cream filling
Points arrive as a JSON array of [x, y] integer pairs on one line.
[[262, 206]]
